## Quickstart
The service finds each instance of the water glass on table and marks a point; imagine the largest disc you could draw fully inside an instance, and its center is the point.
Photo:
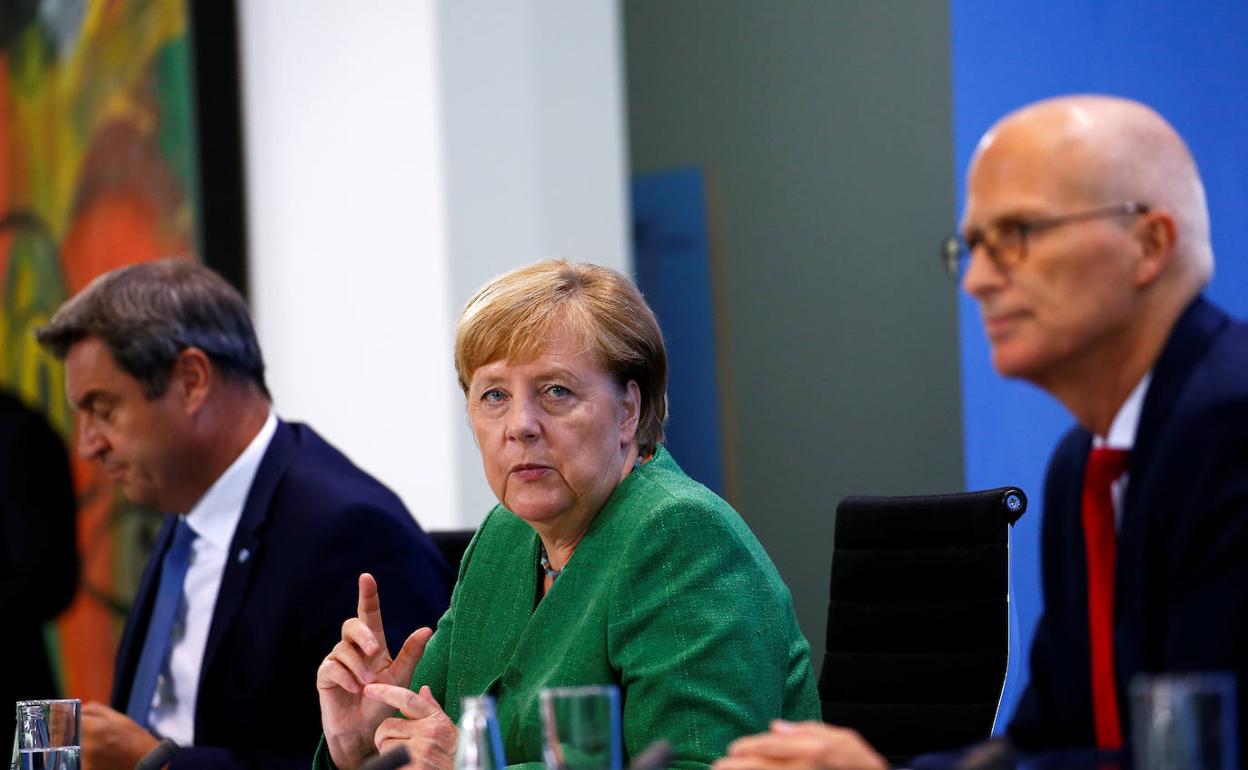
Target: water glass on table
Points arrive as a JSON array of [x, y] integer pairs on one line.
[[48, 736], [1184, 722], [581, 728]]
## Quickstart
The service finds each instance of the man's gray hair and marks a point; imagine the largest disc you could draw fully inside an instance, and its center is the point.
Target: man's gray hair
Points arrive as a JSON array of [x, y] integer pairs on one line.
[[148, 313]]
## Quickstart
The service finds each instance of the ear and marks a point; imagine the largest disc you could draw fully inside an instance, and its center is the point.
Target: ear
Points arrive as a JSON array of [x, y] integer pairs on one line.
[[193, 379], [630, 404], [1154, 233]]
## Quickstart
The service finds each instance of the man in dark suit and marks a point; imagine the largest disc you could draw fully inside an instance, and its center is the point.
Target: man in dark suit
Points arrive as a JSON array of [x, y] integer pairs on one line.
[[1089, 235], [253, 573], [38, 553], [1085, 241]]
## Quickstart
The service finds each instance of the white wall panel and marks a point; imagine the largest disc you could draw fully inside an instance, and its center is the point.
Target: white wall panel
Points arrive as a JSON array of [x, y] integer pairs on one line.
[[533, 96], [399, 154], [348, 259]]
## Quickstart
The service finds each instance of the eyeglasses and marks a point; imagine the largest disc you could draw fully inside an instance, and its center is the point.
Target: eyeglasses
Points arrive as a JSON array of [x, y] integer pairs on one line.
[[1006, 241]]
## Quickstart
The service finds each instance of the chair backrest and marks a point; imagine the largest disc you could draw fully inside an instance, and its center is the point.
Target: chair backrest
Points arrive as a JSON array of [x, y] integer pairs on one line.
[[918, 618], [452, 543]]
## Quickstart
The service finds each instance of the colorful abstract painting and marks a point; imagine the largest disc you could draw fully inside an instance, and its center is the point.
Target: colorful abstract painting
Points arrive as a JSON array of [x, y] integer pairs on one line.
[[98, 168]]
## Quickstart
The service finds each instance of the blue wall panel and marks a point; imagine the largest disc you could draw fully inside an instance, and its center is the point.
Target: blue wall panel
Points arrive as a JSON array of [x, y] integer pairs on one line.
[[1190, 62], [672, 257]]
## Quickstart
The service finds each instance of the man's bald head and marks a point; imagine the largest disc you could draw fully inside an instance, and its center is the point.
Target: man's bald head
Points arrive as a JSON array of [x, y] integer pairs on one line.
[[1089, 235], [1107, 149]]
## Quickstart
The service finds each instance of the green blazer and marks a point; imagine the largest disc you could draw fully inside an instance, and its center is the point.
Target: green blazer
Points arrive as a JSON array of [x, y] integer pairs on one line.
[[669, 596]]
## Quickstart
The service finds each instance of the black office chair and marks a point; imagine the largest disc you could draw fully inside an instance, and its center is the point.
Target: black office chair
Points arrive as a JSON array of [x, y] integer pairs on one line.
[[452, 543], [918, 619]]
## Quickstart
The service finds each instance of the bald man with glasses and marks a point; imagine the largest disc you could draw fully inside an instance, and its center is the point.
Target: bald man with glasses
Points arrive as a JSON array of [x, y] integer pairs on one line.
[[1085, 243]]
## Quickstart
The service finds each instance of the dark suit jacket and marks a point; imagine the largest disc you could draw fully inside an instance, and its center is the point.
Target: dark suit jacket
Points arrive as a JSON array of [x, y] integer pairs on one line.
[[38, 555], [312, 522], [1182, 575]]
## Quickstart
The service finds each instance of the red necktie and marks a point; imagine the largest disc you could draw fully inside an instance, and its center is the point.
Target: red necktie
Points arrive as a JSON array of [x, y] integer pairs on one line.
[[1105, 465]]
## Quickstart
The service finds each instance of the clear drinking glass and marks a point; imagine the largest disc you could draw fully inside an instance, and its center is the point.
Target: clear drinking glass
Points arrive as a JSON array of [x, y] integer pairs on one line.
[[581, 728], [1184, 722], [49, 735]]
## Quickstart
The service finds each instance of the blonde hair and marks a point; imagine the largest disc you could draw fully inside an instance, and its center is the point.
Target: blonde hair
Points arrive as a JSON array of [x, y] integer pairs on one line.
[[514, 316]]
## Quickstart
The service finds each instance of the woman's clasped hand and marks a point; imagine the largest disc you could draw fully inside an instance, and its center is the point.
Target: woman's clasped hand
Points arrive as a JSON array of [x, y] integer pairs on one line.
[[361, 687]]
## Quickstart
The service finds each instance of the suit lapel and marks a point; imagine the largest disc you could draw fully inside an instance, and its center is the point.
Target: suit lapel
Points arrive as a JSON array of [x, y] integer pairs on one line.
[[495, 627], [1067, 531], [1192, 335], [1194, 332], [246, 549]]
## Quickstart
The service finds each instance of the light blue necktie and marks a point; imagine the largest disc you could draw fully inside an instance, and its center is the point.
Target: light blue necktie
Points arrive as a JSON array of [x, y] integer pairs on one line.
[[160, 626]]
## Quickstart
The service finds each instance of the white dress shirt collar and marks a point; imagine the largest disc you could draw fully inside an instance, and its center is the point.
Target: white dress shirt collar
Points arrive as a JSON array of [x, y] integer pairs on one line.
[[1122, 430], [1121, 435], [215, 516]]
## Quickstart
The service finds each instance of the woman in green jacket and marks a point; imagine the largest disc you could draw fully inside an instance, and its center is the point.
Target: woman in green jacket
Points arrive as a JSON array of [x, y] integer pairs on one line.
[[603, 564]]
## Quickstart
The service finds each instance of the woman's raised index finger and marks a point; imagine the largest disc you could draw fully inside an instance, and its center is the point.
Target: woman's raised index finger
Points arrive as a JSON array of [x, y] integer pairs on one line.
[[368, 609]]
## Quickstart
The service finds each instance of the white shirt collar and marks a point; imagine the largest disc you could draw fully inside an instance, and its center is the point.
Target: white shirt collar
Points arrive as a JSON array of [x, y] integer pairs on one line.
[[217, 513], [1122, 430]]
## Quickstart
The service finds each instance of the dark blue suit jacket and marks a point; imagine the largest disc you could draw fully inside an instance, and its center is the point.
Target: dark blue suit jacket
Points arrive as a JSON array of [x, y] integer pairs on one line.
[[312, 522], [1182, 577]]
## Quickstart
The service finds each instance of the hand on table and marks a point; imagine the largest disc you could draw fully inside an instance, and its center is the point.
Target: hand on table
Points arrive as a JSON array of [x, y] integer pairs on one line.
[[426, 730], [802, 746], [111, 740], [348, 718]]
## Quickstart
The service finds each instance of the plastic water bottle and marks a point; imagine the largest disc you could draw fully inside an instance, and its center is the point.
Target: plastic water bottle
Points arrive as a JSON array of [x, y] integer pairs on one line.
[[480, 746]]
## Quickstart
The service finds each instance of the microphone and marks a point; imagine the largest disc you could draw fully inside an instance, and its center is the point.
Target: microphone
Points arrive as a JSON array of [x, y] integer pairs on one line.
[[159, 756], [653, 757], [391, 760]]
